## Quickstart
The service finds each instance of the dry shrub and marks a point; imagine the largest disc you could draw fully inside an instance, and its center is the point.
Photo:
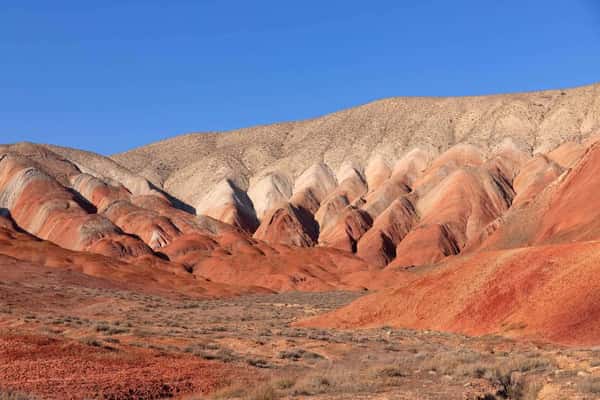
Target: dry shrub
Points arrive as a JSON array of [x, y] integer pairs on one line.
[[391, 372], [91, 341], [527, 364], [263, 392], [311, 385], [229, 392], [516, 386], [452, 362], [285, 383], [340, 378], [297, 354], [510, 377]]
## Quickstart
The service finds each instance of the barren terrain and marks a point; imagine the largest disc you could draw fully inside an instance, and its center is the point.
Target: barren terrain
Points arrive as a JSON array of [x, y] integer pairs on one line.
[[65, 336]]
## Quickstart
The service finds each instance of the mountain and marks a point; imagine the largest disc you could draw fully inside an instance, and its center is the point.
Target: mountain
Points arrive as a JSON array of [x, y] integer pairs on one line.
[[533, 272], [473, 214], [192, 166]]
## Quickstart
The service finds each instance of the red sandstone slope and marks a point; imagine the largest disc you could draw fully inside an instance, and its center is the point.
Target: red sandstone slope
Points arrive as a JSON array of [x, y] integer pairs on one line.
[[424, 209], [556, 210], [573, 213], [42, 206], [19, 249], [56, 215], [548, 290]]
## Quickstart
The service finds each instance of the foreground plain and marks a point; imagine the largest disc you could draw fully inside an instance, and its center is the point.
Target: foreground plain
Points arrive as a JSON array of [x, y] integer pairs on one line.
[[91, 339]]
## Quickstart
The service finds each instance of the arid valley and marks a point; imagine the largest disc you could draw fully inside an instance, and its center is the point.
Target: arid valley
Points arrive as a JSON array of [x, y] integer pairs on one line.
[[410, 248]]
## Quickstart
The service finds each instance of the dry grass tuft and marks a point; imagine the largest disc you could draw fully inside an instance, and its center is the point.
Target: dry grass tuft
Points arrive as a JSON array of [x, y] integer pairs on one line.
[[263, 392]]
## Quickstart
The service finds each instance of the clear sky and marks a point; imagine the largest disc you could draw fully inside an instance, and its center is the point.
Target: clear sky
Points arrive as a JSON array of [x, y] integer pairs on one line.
[[111, 75]]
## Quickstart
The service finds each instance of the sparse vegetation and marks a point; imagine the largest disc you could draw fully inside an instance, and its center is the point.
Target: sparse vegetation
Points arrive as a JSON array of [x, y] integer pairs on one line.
[[263, 392], [254, 332], [297, 354], [91, 341], [513, 385], [284, 383], [391, 372], [258, 363]]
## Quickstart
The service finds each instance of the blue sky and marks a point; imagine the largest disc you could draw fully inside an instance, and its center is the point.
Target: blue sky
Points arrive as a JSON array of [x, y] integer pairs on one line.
[[108, 76]]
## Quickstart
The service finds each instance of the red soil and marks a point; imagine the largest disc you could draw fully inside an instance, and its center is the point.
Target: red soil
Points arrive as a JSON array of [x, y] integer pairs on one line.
[[60, 369], [548, 292], [286, 268]]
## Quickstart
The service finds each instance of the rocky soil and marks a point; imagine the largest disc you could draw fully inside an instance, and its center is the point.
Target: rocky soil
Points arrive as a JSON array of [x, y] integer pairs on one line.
[[68, 337]]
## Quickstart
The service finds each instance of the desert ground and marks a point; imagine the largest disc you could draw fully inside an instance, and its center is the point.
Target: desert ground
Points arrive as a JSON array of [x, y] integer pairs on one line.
[[64, 335]]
